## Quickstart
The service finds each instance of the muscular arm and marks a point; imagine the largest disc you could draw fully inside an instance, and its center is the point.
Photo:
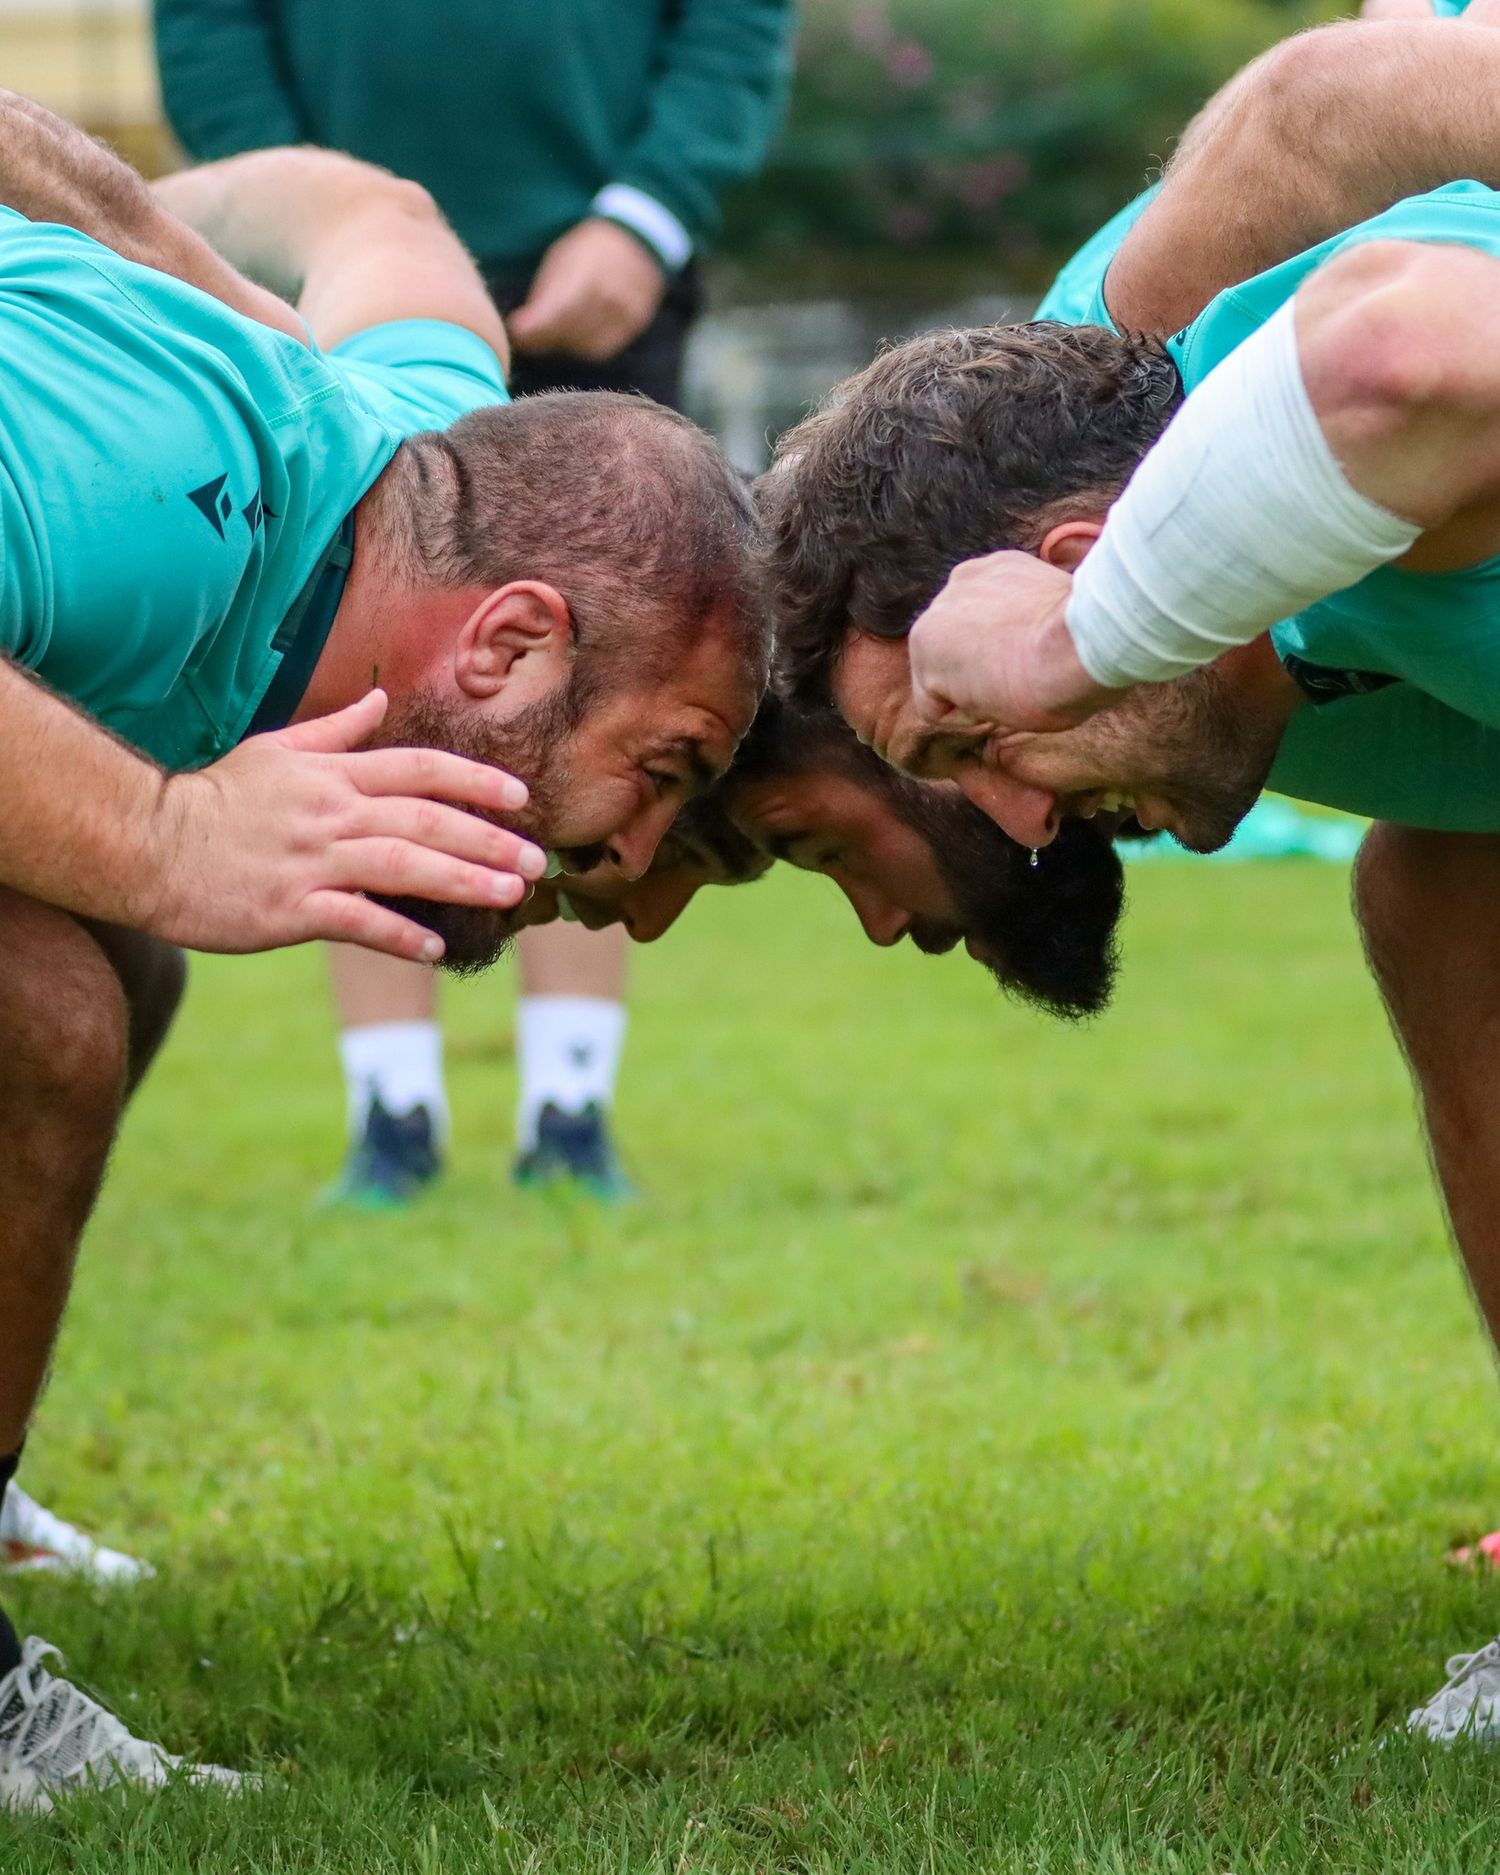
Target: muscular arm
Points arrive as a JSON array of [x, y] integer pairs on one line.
[[278, 843], [51, 171], [1323, 131], [352, 244]]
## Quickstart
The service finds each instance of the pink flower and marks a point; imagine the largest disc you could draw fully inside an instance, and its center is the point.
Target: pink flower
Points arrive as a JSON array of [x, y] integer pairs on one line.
[[909, 64], [870, 27], [983, 184]]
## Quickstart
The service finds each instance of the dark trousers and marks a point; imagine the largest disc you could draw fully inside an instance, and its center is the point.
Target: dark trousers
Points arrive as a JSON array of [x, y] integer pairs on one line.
[[651, 364]]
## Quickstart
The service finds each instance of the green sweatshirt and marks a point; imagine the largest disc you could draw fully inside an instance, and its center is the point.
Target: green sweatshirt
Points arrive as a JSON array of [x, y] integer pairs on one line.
[[521, 116]]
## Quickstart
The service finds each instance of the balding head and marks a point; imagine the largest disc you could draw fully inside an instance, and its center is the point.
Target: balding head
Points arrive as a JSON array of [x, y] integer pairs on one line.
[[629, 510]]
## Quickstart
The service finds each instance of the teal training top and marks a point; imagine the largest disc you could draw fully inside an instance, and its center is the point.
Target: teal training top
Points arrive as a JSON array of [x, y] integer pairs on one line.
[[171, 474], [1369, 746]]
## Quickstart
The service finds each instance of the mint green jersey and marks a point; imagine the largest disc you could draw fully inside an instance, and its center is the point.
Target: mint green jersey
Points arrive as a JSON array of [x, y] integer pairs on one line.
[[1408, 664], [1437, 631], [171, 475]]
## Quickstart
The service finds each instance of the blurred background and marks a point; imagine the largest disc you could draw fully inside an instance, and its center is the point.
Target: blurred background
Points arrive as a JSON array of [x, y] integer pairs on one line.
[[940, 158]]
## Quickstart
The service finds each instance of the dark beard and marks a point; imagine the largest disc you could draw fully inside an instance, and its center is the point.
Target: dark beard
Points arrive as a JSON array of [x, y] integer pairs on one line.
[[533, 745], [1213, 756], [1047, 932]]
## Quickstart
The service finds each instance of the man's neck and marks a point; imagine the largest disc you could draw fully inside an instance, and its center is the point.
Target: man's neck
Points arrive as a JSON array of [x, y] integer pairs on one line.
[[376, 628], [1259, 684]]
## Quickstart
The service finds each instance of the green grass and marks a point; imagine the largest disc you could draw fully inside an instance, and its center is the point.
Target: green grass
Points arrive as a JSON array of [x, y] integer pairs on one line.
[[986, 1446]]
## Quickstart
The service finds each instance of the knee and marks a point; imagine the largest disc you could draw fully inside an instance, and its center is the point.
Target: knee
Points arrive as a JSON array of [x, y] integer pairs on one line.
[[153, 975], [64, 1020], [1427, 904]]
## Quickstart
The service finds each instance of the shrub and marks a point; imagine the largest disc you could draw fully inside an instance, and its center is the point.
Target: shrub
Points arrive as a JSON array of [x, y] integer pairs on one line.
[[977, 123]]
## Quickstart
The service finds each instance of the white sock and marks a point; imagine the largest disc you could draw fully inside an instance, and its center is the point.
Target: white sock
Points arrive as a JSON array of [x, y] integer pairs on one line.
[[567, 1051], [398, 1063]]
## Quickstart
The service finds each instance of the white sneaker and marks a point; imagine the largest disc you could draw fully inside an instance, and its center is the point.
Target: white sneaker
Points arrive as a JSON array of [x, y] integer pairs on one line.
[[1468, 1705], [32, 1538], [55, 1740]]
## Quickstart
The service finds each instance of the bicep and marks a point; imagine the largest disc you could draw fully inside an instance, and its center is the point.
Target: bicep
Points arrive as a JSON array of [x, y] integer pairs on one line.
[[397, 260]]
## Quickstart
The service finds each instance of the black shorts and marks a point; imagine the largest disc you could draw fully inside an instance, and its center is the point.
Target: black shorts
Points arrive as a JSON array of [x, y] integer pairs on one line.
[[651, 364]]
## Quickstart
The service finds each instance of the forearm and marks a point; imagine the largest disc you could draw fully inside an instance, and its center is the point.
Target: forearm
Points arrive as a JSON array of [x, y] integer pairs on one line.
[[1324, 131], [351, 244], [51, 171], [83, 811], [274, 213]]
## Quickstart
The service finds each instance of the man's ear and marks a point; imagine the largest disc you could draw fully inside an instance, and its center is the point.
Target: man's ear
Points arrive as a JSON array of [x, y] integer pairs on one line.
[[518, 634], [1066, 544]]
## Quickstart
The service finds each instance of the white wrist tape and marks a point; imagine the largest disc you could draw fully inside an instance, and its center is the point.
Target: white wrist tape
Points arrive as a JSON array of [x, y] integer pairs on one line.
[[1238, 518]]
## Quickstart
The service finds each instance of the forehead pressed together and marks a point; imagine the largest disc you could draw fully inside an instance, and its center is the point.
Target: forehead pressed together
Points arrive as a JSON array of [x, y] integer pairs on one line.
[[914, 861], [597, 623]]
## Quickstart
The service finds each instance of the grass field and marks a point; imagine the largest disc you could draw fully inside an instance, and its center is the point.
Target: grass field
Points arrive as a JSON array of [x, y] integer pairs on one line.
[[984, 1447]]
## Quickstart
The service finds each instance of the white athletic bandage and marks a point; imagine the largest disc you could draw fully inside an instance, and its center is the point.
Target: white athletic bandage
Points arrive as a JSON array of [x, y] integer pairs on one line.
[[1238, 518]]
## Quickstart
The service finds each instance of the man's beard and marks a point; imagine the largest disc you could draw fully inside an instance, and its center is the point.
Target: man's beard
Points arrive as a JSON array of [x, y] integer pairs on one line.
[[533, 745], [1209, 756], [1047, 933]]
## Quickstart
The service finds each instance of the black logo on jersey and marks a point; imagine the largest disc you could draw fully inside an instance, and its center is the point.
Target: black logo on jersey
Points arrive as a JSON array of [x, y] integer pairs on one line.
[[213, 502]]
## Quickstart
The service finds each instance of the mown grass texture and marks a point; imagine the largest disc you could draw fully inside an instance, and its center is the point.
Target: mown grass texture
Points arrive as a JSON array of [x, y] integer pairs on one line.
[[984, 1446]]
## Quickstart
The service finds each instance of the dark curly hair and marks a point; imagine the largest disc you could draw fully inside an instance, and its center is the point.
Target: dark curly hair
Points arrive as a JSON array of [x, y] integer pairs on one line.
[[949, 446]]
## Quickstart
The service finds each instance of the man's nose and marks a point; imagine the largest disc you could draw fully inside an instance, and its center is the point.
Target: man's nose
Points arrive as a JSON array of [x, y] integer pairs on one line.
[[655, 913], [630, 851], [1029, 815], [882, 922]]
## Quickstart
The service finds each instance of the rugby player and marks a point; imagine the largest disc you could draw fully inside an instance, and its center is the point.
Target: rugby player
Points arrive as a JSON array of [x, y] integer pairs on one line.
[[914, 860], [223, 524], [1278, 569]]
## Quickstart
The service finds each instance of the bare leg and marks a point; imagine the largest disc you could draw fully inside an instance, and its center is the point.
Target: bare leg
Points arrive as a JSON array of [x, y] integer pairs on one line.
[[1429, 905], [569, 960], [369, 988], [65, 1044], [153, 976]]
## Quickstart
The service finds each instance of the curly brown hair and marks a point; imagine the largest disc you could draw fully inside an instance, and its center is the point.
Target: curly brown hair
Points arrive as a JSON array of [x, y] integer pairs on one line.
[[952, 445]]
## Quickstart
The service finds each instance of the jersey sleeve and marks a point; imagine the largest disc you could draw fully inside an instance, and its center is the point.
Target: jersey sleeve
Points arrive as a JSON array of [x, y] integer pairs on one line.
[[420, 374], [1076, 296]]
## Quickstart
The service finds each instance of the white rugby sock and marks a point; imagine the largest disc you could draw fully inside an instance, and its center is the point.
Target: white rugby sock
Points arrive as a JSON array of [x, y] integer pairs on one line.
[[567, 1051], [398, 1063]]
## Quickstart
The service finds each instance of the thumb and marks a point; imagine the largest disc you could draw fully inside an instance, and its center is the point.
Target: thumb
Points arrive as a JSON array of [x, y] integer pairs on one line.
[[348, 728], [535, 324]]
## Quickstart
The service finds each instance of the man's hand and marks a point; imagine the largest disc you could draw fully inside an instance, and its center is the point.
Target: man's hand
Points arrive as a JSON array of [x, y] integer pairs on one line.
[[993, 650], [278, 842], [596, 289]]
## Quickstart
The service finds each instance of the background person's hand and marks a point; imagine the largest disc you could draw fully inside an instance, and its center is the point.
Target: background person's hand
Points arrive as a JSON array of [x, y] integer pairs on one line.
[[993, 650], [596, 289], [277, 843]]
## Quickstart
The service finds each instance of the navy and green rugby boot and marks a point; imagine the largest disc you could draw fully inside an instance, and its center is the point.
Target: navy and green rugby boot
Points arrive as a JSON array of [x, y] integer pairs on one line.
[[392, 1161], [574, 1149]]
